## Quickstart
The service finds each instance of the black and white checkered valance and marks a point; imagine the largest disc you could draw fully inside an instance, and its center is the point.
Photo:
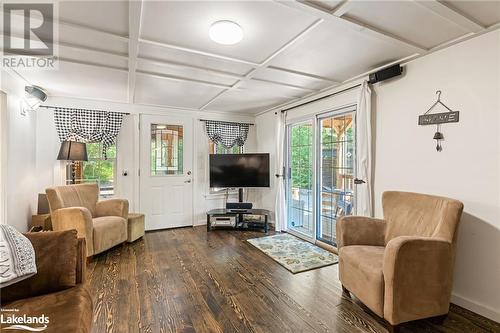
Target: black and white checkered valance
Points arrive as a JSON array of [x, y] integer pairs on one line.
[[226, 133], [88, 126]]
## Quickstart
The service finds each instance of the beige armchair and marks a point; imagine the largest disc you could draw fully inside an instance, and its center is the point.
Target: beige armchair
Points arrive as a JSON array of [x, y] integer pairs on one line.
[[401, 267], [103, 224]]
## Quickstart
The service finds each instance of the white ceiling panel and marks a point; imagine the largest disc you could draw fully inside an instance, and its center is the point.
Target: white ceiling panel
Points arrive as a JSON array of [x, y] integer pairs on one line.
[[275, 75], [152, 90], [245, 101], [184, 72], [97, 14], [183, 57], [338, 53], [485, 12], [266, 25], [81, 81], [272, 89], [401, 18]]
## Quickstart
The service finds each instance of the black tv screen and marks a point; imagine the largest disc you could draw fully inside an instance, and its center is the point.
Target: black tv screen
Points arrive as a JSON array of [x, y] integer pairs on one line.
[[239, 170]]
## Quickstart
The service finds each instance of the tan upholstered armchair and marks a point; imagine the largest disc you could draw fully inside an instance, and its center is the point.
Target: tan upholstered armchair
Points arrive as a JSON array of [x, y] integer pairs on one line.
[[102, 223], [401, 267]]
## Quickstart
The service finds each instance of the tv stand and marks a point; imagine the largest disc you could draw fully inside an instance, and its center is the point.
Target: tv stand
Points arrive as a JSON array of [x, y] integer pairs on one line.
[[238, 217]]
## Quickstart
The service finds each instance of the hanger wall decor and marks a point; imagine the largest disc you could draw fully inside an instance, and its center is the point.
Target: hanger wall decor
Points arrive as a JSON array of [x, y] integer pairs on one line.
[[437, 119]]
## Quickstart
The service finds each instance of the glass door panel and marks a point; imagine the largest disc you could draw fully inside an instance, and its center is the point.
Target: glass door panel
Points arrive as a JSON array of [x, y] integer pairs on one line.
[[336, 172], [300, 182]]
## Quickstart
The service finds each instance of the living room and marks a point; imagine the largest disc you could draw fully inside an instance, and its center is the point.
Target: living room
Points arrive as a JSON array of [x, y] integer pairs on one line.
[[259, 166]]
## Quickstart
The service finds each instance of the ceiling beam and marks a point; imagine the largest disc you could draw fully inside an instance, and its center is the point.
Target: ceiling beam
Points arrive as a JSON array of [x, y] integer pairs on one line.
[[190, 50], [451, 15], [311, 76], [342, 8], [355, 25], [134, 19], [77, 47], [184, 79], [93, 64]]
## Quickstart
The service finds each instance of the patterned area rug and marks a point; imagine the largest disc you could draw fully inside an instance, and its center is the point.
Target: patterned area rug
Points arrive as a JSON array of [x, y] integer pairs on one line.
[[293, 253]]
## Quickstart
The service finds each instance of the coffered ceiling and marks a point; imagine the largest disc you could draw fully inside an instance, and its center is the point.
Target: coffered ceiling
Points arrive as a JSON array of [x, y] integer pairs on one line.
[[159, 52]]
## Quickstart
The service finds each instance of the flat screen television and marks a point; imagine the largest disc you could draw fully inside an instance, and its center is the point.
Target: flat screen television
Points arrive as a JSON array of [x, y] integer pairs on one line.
[[239, 170]]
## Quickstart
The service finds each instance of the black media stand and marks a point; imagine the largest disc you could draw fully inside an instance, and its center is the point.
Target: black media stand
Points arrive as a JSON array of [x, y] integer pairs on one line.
[[235, 219]]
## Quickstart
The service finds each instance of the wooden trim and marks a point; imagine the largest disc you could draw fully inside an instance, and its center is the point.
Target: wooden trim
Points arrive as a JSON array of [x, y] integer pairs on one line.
[[327, 247]]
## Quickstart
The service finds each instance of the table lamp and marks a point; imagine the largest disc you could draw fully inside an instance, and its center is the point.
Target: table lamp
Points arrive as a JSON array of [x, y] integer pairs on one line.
[[72, 151]]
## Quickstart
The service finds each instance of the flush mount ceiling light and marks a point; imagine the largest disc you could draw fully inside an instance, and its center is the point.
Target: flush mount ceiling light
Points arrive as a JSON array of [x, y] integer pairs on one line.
[[226, 32]]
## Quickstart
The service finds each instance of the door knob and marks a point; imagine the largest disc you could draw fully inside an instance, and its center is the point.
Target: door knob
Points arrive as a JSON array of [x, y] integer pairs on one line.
[[359, 181], [187, 181]]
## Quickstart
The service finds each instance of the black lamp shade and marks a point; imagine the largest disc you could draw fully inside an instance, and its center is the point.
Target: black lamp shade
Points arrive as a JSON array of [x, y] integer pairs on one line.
[[72, 151]]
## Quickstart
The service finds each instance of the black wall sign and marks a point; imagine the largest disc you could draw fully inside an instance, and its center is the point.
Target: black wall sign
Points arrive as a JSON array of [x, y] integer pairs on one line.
[[438, 118]]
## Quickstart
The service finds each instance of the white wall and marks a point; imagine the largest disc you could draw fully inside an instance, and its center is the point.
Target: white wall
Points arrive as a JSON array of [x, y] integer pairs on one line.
[[128, 150], [20, 146], [468, 168]]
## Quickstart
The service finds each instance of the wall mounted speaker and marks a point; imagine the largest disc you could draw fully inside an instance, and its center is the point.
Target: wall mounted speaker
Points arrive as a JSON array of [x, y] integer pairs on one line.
[[385, 74]]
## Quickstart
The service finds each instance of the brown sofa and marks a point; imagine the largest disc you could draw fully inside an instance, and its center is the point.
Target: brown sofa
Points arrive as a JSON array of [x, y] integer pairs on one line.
[[102, 223], [401, 267], [56, 290]]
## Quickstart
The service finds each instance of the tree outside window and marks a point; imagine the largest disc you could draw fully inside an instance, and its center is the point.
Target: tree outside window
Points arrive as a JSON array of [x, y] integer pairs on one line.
[[97, 169]]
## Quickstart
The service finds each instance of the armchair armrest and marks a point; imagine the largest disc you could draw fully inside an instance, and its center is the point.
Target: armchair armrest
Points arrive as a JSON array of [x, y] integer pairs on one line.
[[360, 230], [112, 207], [418, 275], [60, 262], [78, 218]]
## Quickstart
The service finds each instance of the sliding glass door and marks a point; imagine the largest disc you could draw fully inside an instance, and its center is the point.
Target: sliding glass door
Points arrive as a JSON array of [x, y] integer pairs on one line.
[[321, 164], [300, 183], [336, 165]]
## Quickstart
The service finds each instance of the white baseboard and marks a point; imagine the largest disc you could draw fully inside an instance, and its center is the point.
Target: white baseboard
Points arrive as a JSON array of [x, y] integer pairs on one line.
[[478, 308], [200, 222]]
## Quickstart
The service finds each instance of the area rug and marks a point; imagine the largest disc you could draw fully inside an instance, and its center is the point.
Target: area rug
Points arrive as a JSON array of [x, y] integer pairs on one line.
[[293, 253]]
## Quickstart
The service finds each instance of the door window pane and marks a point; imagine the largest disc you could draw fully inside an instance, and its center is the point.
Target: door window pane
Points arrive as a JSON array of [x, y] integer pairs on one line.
[[166, 149], [300, 186], [336, 173]]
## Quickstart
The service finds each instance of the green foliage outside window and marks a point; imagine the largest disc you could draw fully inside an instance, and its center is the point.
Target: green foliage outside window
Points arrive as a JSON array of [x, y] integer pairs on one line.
[[99, 170], [301, 156]]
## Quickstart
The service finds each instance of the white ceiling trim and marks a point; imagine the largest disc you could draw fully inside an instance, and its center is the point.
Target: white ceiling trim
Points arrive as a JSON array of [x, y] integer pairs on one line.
[[184, 79], [451, 15], [166, 63], [94, 64], [266, 62], [353, 24], [134, 19], [342, 8], [190, 50], [288, 85], [312, 76]]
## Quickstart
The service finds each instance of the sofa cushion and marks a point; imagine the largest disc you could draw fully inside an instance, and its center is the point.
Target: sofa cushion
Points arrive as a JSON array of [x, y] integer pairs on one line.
[[108, 232], [55, 256], [68, 311], [360, 271]]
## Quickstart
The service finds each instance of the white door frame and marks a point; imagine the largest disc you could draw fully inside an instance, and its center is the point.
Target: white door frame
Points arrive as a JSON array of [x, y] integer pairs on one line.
[[142, 173]]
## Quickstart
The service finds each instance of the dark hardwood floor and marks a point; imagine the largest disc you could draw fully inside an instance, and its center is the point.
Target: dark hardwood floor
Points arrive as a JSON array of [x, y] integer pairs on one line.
[[185, 280]]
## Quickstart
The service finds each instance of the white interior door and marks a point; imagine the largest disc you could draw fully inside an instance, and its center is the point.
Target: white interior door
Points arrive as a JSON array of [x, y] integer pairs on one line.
[[166, 158]]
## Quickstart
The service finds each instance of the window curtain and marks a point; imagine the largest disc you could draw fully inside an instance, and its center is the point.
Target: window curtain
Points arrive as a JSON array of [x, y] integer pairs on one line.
[[88, 126], [227, 133], [280, 204], [364, 204]]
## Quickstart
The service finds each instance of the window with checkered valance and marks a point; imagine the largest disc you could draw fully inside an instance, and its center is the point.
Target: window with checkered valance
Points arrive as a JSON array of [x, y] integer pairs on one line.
[[228, 134]]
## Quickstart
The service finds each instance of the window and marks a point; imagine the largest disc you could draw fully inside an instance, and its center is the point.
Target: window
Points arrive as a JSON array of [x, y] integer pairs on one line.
[[166, 149], [96, 169], [217, 148]]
